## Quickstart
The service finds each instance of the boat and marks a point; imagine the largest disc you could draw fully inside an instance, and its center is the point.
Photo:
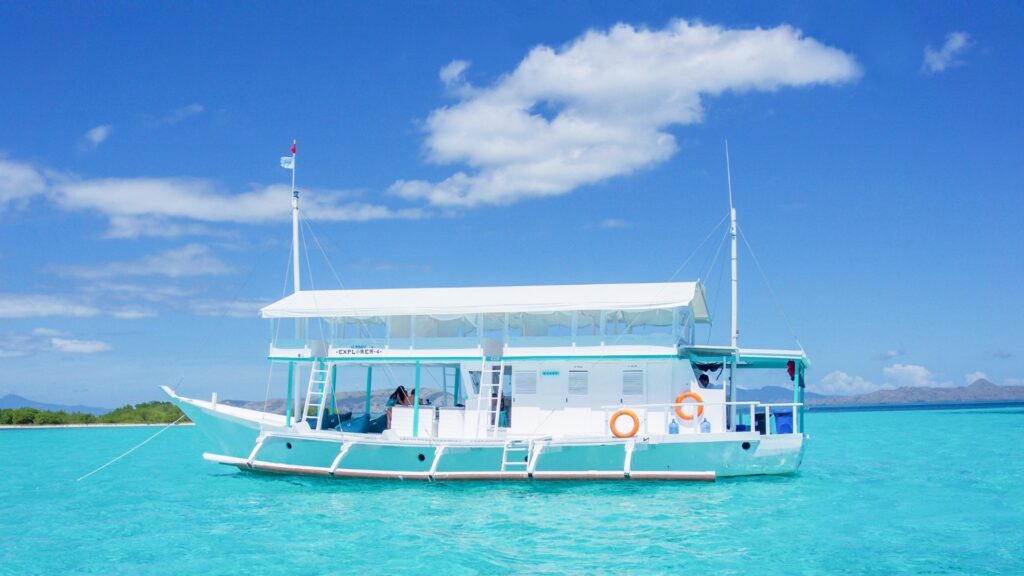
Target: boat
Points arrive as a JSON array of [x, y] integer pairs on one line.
[[588, 381]]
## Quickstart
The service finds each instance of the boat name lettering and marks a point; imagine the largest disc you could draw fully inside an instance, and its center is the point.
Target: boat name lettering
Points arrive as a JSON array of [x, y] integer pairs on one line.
[[358, 351]]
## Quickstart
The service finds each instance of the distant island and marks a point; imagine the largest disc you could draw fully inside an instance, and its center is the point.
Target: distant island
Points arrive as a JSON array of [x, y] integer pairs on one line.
[[978, 392], [145, 413]]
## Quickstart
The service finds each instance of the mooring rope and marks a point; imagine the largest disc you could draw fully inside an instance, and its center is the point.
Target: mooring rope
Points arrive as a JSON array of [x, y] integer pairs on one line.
[[136, 447]]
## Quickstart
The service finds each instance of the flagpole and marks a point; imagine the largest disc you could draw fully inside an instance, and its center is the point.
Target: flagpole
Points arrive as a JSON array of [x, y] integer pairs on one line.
[[295, 225]]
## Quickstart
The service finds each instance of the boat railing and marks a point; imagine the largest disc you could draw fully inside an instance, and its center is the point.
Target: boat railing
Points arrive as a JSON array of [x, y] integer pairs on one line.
[[767, 410]]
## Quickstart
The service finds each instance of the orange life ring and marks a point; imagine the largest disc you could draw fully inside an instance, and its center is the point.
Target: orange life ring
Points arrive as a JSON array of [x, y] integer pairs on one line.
[[679, 405], [636, 423]]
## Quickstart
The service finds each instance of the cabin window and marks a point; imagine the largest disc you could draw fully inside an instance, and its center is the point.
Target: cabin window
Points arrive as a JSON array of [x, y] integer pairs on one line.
[[615, 323], [549, 326], [632, 382], [359, 328], [578, 382], [426, 327], [526, 382], [449, 328], [401, 327], [588, 323], [474, 378], [493, 326]]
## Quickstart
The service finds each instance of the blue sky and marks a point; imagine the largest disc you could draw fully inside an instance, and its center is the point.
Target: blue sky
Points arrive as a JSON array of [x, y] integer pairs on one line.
[[876, 157]]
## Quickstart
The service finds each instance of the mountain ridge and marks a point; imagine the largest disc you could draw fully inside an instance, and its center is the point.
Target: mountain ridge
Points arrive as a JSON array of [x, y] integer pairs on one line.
[[15, 401]]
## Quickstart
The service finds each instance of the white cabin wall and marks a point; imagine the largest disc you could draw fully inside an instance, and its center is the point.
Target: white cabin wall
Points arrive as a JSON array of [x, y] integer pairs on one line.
[[551, 410]]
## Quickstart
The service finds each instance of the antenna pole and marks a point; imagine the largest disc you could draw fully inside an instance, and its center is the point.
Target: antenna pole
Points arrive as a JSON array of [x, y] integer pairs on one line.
[[734, 337], [295, 225]]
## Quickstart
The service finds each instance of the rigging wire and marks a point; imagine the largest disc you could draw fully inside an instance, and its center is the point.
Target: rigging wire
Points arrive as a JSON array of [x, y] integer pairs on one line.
[[389, 373], [718, 286], [693, 253], [309, 268], [771, 290], [277, 330]]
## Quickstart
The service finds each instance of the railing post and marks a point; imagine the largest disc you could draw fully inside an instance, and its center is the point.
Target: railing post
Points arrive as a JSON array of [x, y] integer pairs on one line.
[[369, 382], [288, 411], [416, 404]]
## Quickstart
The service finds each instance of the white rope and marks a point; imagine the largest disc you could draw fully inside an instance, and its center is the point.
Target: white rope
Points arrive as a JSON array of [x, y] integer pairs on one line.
[[136, 447]]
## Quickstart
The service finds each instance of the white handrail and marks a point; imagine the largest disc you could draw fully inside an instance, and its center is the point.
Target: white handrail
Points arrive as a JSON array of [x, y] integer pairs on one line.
[[753, 405]]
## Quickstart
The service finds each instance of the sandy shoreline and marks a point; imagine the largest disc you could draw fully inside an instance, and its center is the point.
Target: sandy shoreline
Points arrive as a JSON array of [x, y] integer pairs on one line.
[[33, 426]]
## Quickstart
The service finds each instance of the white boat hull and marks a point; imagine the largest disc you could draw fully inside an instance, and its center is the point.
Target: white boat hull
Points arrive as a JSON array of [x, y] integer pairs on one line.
[[260, 442]]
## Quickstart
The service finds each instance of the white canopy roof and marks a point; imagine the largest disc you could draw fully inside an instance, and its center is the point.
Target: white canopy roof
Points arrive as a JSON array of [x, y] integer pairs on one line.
[[452, 302]]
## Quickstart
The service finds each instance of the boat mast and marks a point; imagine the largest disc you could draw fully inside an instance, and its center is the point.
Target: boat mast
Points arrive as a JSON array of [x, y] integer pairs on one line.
[[295, 226], [734, 336]]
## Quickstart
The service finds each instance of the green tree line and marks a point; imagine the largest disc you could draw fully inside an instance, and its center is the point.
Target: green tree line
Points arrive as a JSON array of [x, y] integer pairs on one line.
[[145, 413]]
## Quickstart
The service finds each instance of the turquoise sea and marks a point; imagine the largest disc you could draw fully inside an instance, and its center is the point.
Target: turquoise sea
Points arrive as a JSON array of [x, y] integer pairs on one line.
[[924, 492]]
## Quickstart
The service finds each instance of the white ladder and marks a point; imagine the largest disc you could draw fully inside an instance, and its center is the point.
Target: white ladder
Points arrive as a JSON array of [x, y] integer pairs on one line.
[[317, 392], [488, 399], [519, 451]]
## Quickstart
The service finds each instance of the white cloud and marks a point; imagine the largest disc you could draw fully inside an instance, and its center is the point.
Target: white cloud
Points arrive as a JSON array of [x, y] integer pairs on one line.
[[46, 332], [182, 113], [96, 136], [156, 206], [37, 305], [912, 375], [838, 382], [79, 346], [16, 346], [187, 261], [133, 313], [452, 72], [228, 308], [172, 207], [973, 376], [890, 354], [936, 61], [601, 106], [612, 223], [18, 183], [47, 305], [154, 227]]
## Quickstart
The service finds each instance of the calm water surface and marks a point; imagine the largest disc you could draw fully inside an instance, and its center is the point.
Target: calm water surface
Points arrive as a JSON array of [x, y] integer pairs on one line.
[[879, 493]]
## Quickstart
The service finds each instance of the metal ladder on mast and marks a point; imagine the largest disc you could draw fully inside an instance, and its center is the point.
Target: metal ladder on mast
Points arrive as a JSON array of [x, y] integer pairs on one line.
[[317, 392], [491, 382]]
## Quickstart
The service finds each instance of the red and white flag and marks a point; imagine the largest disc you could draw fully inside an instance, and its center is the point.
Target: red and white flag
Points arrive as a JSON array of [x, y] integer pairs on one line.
[[288, 162]]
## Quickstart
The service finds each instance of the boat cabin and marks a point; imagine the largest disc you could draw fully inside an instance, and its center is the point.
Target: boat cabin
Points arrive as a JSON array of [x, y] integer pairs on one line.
[[593, 360]]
